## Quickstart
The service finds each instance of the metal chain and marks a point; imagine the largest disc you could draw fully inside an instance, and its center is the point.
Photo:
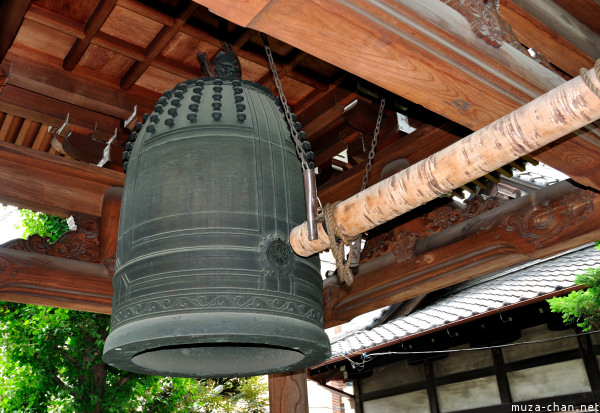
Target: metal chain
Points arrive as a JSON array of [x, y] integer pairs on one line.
[[288, 115], [373, 146]]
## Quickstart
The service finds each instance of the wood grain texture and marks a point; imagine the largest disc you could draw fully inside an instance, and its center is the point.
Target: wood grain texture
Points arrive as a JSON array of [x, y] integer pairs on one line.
[[43, 182], [28, 277], [12, 14], [533, 33], [288, 392]]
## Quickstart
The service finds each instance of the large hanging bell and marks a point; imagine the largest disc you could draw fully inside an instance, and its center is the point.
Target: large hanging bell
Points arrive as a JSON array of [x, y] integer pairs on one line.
[[206, 284]]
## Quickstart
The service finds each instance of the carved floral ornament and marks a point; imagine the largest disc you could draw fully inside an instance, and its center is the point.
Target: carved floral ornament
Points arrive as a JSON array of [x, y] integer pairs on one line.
[[484, 18], [547, 220], [81, 244]]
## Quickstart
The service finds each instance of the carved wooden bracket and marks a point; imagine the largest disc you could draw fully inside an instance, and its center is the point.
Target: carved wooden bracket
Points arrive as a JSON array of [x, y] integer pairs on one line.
[[543, 223], [488, 25], [81, 244], [447, 216]]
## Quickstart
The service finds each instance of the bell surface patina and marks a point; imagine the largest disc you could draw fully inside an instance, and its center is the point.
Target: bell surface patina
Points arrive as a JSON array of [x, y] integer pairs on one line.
[[206, 283]]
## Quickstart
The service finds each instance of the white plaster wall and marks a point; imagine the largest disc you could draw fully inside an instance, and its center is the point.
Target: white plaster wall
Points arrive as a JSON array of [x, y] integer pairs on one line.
[[414, 402], [468, 394], [524, 351], [392, 375], [462, 361], [546, 381]]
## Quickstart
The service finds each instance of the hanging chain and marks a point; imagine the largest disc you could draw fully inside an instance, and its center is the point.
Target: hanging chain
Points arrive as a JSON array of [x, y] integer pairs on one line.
[[286, 108], [373, 146]]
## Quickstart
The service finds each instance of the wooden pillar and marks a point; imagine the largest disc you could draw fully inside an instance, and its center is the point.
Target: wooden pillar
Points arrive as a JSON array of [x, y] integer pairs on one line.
[[434, 404], [501, 377], [288, 392]]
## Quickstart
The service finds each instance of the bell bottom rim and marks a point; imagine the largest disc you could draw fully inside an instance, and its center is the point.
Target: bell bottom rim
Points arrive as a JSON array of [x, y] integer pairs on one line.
[[260, 341]]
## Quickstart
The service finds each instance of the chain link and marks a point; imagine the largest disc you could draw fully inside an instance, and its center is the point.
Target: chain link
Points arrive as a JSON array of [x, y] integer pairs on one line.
[[286, 109], [373, 145]]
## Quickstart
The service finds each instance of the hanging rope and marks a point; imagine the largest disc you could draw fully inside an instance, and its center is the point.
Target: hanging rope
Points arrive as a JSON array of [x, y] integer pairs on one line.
[[586, 79], [337, 240]]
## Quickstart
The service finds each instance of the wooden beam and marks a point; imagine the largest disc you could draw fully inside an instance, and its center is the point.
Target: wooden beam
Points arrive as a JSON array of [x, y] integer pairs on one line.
[[424, 51], [546, 222], [43, 182], [28, 277], [288, 392], [563, 24], [565, 108], [12, 14], [101, 13], [534, 33], [74, 89], [156, 47]]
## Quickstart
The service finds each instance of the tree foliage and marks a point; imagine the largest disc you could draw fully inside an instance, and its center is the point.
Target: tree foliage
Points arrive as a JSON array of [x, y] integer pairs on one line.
[[581, 307], [42, 224], [52, 362]]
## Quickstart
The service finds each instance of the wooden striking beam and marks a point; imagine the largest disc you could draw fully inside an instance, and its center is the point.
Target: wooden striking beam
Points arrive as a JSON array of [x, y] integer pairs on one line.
[[568, 107], [539, 225], [413, 147], [12, 14], [43, 182], [32, 278]]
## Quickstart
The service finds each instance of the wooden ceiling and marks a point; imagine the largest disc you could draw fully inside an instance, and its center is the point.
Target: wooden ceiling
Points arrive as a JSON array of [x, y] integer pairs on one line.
[[96, 60]]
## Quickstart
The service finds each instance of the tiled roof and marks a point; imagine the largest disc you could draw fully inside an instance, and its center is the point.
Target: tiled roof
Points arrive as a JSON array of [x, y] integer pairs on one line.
[[478, 296]]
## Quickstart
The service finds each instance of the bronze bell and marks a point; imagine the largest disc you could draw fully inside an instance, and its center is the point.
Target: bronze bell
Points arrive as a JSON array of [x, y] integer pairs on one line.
[[206, 283]]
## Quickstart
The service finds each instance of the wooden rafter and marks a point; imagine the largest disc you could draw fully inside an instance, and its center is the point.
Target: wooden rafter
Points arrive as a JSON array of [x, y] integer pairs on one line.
[[156, 47], [103, 10], [12, 14]]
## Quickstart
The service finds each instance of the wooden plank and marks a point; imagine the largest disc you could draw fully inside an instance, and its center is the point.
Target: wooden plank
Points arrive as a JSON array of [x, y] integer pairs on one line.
[[156, 46], [74, 89], [101, 13], [533, 33], [42, 139], [240, 12], [12, 14], [56, 21], [586, 11], [288, 392], [486, 243], [43, 182], [27, 133], [28, 277], [53, 112], [564, 24]]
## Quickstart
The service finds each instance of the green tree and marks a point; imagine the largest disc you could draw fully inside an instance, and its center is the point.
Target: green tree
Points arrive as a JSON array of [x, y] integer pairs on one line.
[[52, 362], [42, 224], [581, 307]]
